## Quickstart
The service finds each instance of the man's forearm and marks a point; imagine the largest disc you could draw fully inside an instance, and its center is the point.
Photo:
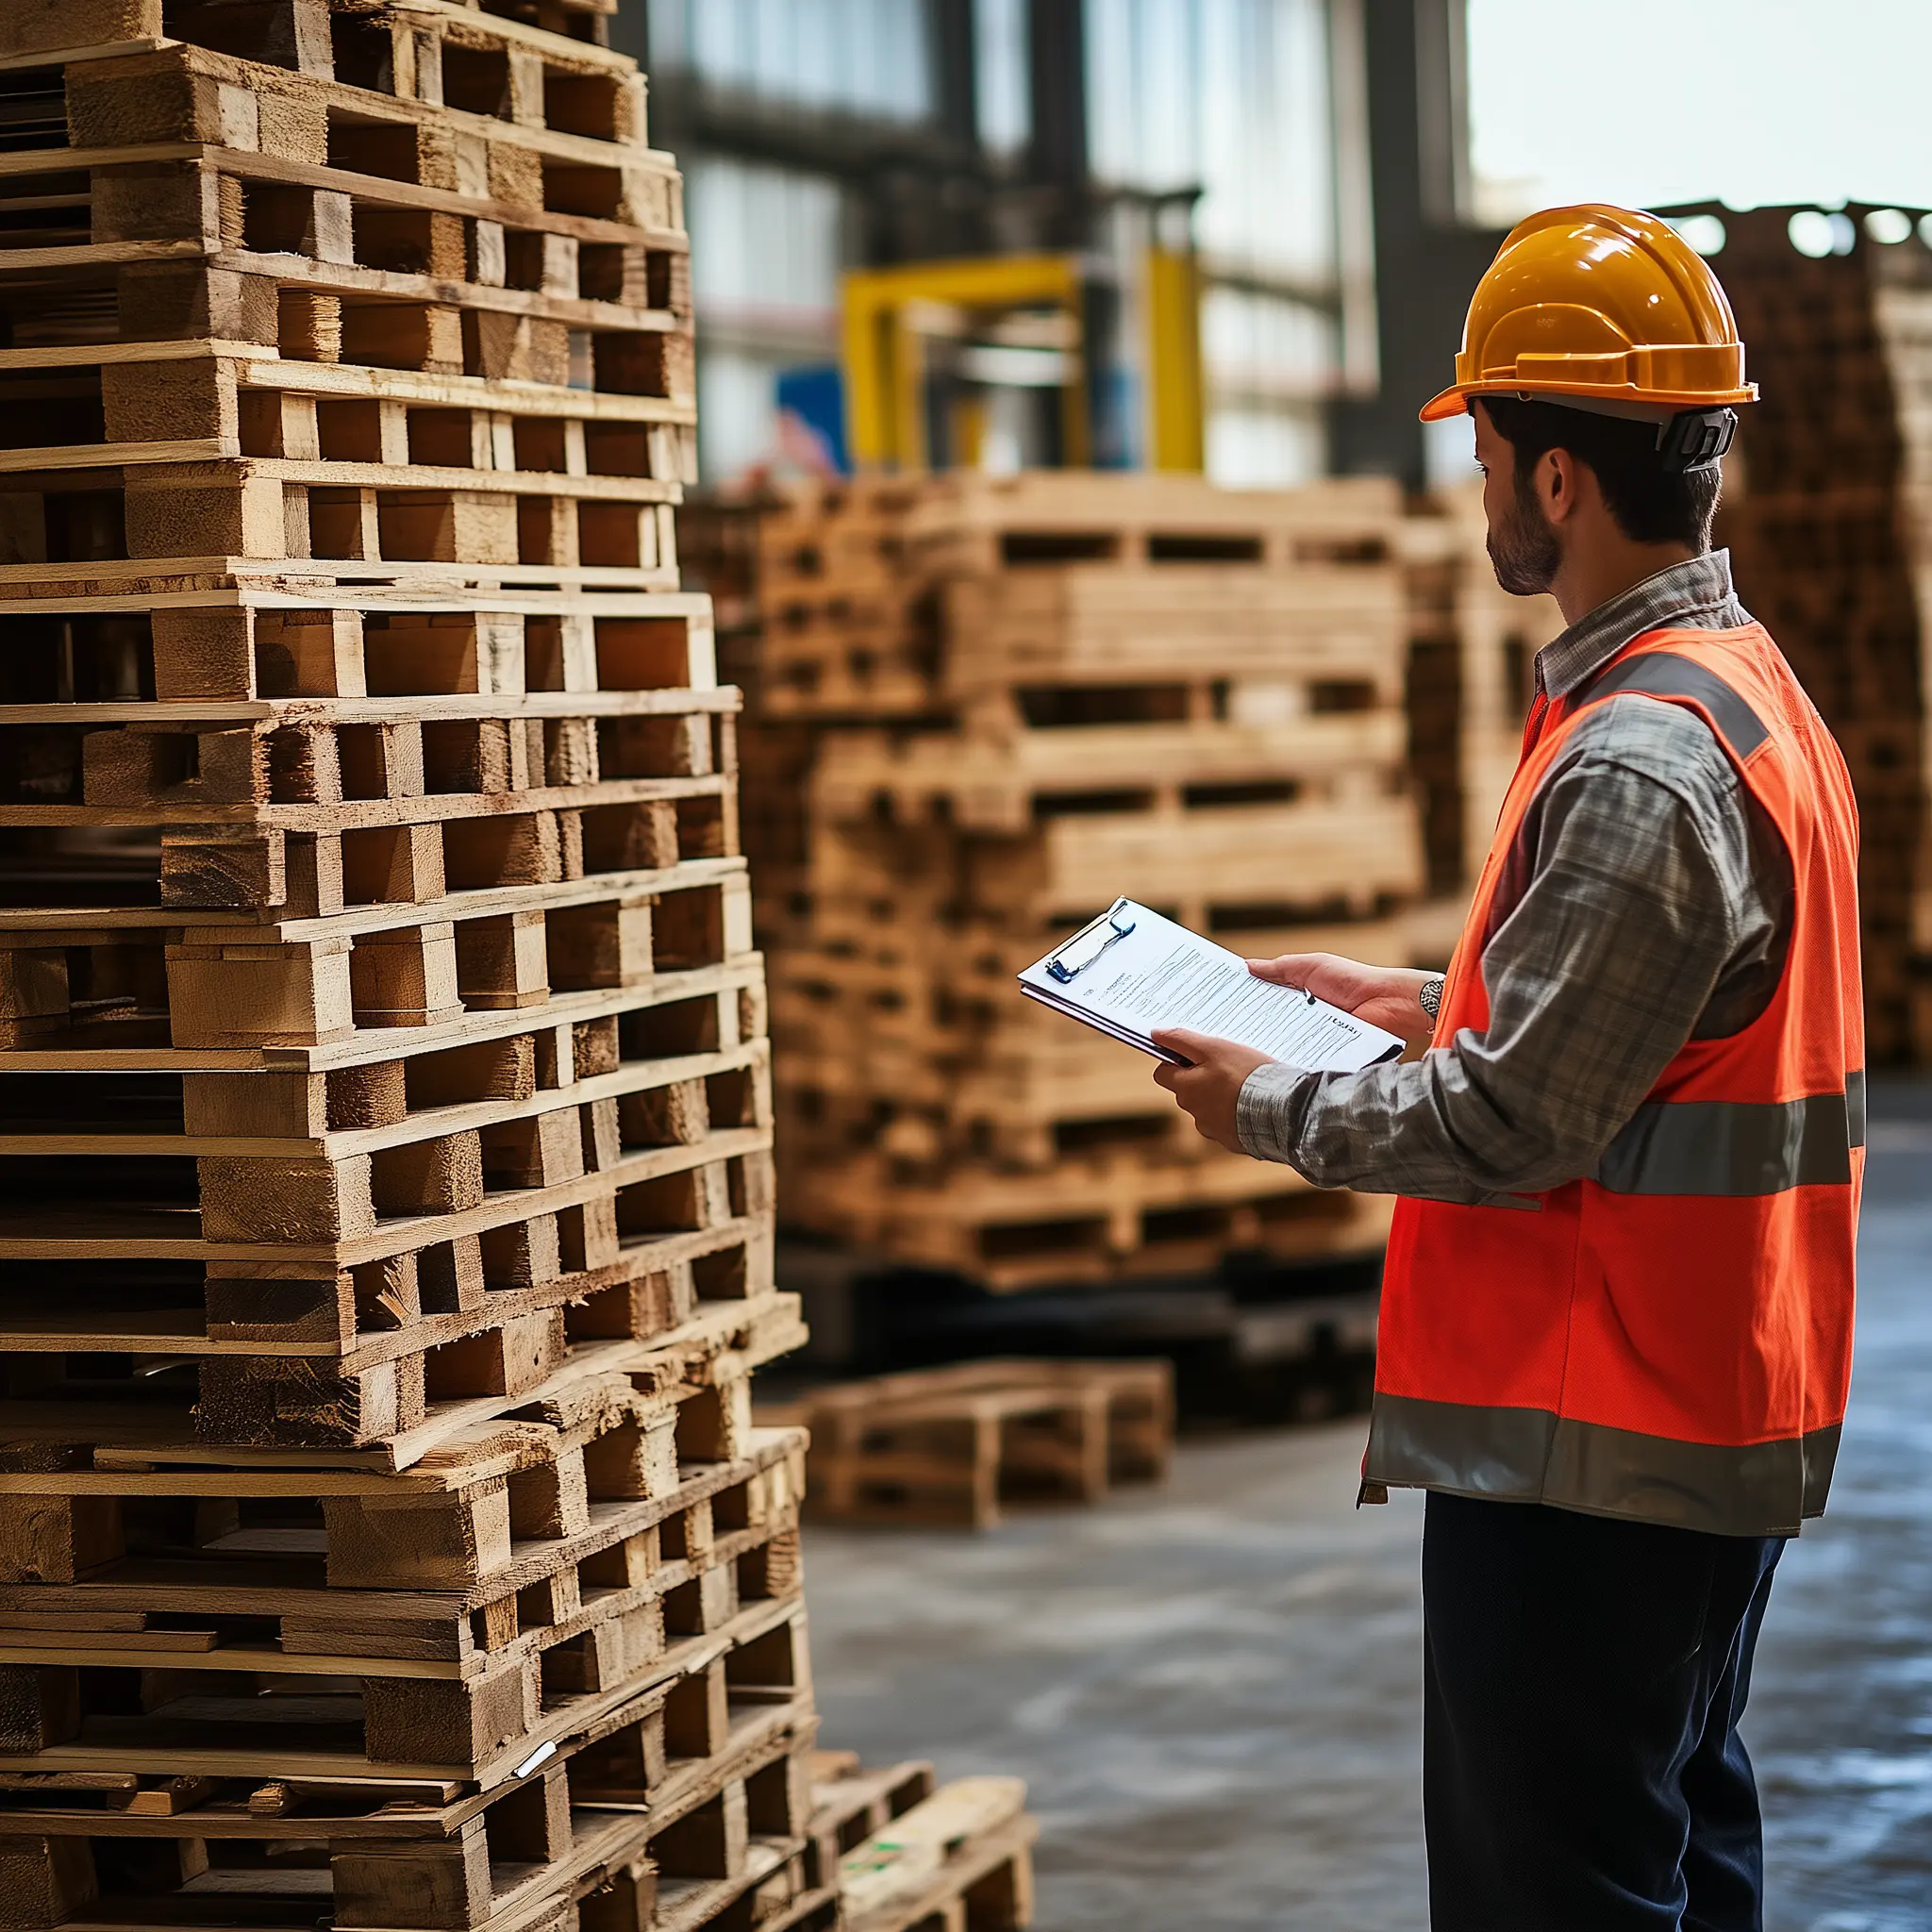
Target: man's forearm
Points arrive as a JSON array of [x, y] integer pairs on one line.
[[1391, 1130]]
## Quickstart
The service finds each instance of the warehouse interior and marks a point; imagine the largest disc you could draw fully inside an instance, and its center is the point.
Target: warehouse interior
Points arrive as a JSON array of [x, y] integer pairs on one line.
[[877, 139], [591, 586]]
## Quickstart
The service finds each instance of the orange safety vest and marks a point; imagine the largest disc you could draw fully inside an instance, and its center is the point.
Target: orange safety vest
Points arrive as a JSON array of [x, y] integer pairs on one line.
[[1668, 1339]]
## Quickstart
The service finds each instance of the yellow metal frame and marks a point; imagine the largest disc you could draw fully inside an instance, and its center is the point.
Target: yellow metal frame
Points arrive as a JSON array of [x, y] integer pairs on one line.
[[885, 357], [1177, 433], [885, 353]]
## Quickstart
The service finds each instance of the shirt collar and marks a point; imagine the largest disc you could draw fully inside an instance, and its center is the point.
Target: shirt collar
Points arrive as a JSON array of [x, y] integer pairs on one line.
[[1698, 587]]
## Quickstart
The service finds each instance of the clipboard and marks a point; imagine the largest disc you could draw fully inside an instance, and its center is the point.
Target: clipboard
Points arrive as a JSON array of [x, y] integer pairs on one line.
[[1131, 972]]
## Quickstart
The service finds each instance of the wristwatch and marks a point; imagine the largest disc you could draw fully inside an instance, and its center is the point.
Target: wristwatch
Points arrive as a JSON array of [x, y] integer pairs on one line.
[[1430, 1000]]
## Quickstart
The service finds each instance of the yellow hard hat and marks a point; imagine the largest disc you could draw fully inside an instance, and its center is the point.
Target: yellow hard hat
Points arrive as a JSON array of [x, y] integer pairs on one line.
[[1602, 304]]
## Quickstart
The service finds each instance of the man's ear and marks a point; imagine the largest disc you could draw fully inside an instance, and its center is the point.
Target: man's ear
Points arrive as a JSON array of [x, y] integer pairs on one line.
[[1558, 484]]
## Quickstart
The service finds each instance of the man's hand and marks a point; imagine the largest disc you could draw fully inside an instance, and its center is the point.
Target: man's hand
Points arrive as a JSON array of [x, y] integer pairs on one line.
[[1385, 996], [1210, 1088]]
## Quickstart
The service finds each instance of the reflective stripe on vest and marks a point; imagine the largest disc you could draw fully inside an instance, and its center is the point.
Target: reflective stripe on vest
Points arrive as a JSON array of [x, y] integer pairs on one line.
[[1737, 1146], [1664, 675], [1531, 1456], [1723, 1146]]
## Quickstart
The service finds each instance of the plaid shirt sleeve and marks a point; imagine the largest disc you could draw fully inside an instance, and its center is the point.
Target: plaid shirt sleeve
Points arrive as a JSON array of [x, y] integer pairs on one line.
[[1642, 898]]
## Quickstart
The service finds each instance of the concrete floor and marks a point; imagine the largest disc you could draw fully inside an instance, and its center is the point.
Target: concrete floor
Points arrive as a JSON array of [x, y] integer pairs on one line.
[[1212, 1688]]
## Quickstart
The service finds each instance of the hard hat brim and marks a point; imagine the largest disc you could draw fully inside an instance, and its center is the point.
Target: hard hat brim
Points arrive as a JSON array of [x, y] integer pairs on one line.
[[1454, 400]]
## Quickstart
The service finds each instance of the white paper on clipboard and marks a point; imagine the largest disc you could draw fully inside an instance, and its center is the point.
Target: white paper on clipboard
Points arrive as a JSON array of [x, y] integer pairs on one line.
[[1132, 971]]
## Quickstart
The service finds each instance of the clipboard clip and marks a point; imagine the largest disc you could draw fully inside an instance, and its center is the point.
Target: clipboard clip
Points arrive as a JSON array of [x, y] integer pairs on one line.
[[1082, 950]]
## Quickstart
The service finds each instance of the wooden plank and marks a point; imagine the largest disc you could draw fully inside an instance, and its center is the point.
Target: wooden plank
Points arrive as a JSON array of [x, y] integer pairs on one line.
[[106, 455], [383, 1043]]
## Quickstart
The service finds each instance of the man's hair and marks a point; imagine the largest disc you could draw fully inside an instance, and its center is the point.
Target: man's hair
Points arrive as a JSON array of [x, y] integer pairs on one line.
[[1651, 504]]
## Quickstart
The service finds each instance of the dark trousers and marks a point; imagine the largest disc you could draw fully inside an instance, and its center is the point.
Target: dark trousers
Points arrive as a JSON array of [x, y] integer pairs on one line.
[[1584, 1677]]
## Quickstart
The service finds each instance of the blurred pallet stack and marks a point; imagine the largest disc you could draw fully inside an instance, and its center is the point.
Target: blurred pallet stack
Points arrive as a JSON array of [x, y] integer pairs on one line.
[[1016, 698], [1472, 668], [1829, 518], [829, 625], [1902, 307], [384, 1537]]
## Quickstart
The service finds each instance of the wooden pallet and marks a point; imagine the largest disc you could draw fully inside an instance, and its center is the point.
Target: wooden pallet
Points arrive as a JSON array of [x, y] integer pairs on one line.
[[353, 1725], [499, 1341], [727, 1810], [955, 1446], [205, 1681], [500, 1504]]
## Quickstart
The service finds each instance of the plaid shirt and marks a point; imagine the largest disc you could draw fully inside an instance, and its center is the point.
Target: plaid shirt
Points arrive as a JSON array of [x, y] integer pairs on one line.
[[1653, 908]]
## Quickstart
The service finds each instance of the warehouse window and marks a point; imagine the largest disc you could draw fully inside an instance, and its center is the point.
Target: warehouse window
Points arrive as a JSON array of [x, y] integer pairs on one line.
[[1002, 74], [868, 57], [765, 264], [1270, 362], [1231, 96], [764, 236]]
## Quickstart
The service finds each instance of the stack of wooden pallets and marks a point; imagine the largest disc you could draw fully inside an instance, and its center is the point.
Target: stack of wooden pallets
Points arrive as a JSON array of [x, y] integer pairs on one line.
[[386, 1243], [1015, 699], [1829, 516]]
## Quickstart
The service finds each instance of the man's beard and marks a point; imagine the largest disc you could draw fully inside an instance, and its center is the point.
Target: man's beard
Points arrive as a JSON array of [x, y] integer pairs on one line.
[[1524, 551]]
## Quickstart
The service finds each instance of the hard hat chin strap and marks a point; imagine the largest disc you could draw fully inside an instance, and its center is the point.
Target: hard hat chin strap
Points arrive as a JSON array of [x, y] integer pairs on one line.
[[1696, 439]]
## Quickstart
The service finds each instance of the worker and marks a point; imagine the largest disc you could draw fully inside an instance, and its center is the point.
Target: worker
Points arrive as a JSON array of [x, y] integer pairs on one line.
[[1616, 1320]]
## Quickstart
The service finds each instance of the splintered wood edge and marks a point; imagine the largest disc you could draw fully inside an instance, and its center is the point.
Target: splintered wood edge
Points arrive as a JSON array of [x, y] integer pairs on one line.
[[93, 50]]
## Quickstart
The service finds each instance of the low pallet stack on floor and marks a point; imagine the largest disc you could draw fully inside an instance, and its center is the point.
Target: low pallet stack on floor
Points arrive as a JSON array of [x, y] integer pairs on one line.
[[385, 1540], [955, 1859], [1829, 514], [953, 1447], [1019, 697]]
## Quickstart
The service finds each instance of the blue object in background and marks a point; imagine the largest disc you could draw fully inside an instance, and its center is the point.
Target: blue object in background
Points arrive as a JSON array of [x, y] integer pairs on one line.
[[813, 398]]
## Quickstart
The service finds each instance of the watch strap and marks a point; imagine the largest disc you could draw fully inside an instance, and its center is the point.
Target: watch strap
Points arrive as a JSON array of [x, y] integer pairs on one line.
[[1430, 999]]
